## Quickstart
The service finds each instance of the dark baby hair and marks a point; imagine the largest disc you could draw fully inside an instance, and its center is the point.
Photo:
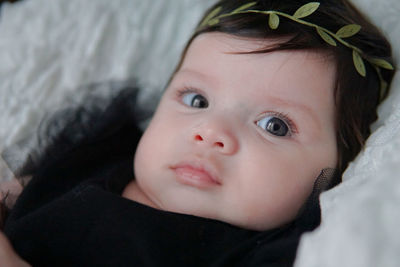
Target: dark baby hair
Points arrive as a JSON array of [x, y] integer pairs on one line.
[[356, 97]]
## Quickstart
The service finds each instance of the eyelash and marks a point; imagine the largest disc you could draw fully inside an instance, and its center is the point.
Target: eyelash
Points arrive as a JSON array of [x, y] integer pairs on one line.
[[283, 116]]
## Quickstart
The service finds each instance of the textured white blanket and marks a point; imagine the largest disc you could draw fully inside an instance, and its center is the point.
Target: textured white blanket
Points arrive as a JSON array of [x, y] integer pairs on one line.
[[52, 47]]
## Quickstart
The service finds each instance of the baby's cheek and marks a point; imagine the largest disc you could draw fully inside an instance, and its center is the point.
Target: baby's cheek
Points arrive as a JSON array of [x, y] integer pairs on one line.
[[274, 212], [142, 154], [151, 152], [272, 195]]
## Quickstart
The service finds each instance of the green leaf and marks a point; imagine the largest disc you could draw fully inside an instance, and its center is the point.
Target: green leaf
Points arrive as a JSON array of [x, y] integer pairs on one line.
[[359, 63], [381, 63], [244, 7], [212, 22], [210, 16], [273, 21], [306, 10], [348, 30], [327, 38]]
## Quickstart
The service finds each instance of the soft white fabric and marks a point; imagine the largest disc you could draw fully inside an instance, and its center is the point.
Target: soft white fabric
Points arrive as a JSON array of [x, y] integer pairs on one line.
[[51, 47]]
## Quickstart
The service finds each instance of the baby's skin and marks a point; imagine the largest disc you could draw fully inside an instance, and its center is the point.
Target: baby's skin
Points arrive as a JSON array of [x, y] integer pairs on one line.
[[239, 137]]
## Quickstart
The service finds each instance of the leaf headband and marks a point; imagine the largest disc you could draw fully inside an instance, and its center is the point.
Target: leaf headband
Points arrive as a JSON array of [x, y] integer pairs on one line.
[[328, 36]]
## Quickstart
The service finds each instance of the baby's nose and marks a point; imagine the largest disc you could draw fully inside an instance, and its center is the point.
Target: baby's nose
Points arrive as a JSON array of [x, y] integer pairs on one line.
[[217, 138]]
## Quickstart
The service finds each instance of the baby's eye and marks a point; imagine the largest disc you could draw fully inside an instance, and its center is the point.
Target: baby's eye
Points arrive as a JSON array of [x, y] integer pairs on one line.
[[274, 125], [195, 100]]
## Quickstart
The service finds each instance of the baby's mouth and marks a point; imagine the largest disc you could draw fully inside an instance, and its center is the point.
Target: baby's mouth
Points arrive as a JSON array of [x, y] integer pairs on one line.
[[195, 174]]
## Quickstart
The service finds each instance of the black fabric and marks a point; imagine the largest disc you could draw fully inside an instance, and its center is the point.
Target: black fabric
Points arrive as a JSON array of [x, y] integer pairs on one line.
[[72, 214]]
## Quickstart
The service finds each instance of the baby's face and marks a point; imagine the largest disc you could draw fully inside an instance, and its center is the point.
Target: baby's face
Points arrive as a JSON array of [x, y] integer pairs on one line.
[[239, 138]]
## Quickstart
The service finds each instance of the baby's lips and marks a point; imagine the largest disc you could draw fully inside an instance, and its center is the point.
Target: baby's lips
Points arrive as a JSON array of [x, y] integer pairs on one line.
[[198, 170]]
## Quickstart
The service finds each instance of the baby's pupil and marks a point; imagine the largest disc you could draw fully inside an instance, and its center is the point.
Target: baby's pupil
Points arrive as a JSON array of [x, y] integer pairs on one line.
[[277, 127], [199, 102]]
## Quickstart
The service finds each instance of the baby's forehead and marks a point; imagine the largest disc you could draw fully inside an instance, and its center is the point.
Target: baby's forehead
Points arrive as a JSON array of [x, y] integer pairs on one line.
[[220, 51], [232, 44], [213, 51]]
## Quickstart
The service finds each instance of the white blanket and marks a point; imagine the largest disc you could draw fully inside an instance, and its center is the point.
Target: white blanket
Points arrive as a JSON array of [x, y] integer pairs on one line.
[[52, 47]]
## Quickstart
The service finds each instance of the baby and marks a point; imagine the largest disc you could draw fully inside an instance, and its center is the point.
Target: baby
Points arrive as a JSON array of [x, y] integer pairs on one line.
[[266, 96]]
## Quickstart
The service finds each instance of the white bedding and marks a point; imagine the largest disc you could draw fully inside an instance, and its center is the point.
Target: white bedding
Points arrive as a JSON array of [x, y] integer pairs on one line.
[[51, 47]]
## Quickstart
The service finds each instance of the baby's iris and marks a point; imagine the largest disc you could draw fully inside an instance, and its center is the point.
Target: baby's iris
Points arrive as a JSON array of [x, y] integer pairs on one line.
[[195, 100], [274, 125]]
